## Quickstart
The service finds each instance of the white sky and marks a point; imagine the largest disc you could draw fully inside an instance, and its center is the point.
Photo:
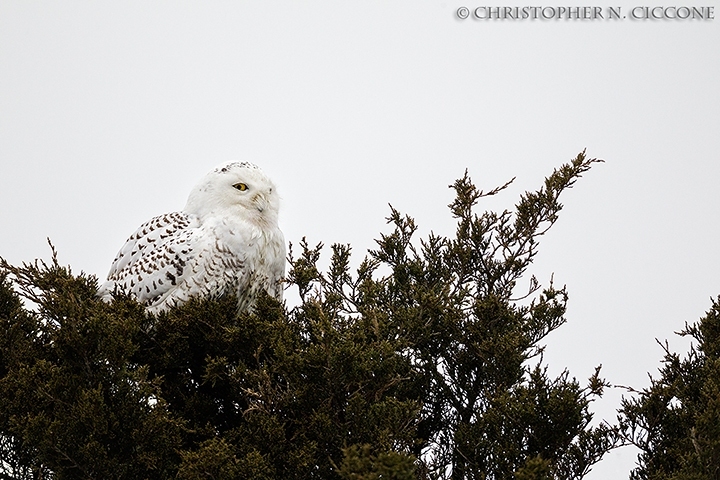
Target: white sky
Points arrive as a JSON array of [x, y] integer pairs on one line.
[[111, 111]]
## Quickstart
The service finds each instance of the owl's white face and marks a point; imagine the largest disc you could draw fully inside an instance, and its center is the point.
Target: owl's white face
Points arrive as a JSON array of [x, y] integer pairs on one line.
[[235, 189]]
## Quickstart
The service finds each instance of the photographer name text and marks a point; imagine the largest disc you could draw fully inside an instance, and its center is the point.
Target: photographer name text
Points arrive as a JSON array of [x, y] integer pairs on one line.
[[587, 13]]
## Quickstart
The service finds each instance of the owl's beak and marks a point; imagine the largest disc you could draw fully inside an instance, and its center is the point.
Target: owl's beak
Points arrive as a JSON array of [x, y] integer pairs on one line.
[[260, 202]]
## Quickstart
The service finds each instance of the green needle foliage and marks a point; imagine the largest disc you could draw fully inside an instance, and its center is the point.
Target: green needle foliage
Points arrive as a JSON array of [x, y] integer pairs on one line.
[[676, 421], [418, 365]]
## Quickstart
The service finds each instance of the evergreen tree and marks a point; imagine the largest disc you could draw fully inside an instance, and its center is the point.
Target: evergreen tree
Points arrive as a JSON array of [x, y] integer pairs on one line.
[[420, 364], [676, 421]]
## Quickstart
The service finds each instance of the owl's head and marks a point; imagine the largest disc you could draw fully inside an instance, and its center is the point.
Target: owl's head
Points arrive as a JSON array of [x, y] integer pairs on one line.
[[235, 189]]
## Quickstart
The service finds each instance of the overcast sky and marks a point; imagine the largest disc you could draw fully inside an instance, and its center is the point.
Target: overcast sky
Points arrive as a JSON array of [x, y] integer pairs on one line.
[[111, 111]]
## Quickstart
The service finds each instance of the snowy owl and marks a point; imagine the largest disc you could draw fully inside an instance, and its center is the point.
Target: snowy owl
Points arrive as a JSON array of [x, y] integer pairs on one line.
[[226, 239]]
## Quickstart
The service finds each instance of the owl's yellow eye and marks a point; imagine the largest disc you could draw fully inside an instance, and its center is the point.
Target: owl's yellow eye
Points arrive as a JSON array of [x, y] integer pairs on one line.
[[240, 186]]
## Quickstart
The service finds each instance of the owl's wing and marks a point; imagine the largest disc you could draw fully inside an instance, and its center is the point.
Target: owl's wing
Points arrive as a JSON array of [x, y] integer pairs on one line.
[[152, 260]]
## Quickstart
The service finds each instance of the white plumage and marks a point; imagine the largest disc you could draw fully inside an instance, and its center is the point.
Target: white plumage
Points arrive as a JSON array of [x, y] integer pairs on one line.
[[226, 239]]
